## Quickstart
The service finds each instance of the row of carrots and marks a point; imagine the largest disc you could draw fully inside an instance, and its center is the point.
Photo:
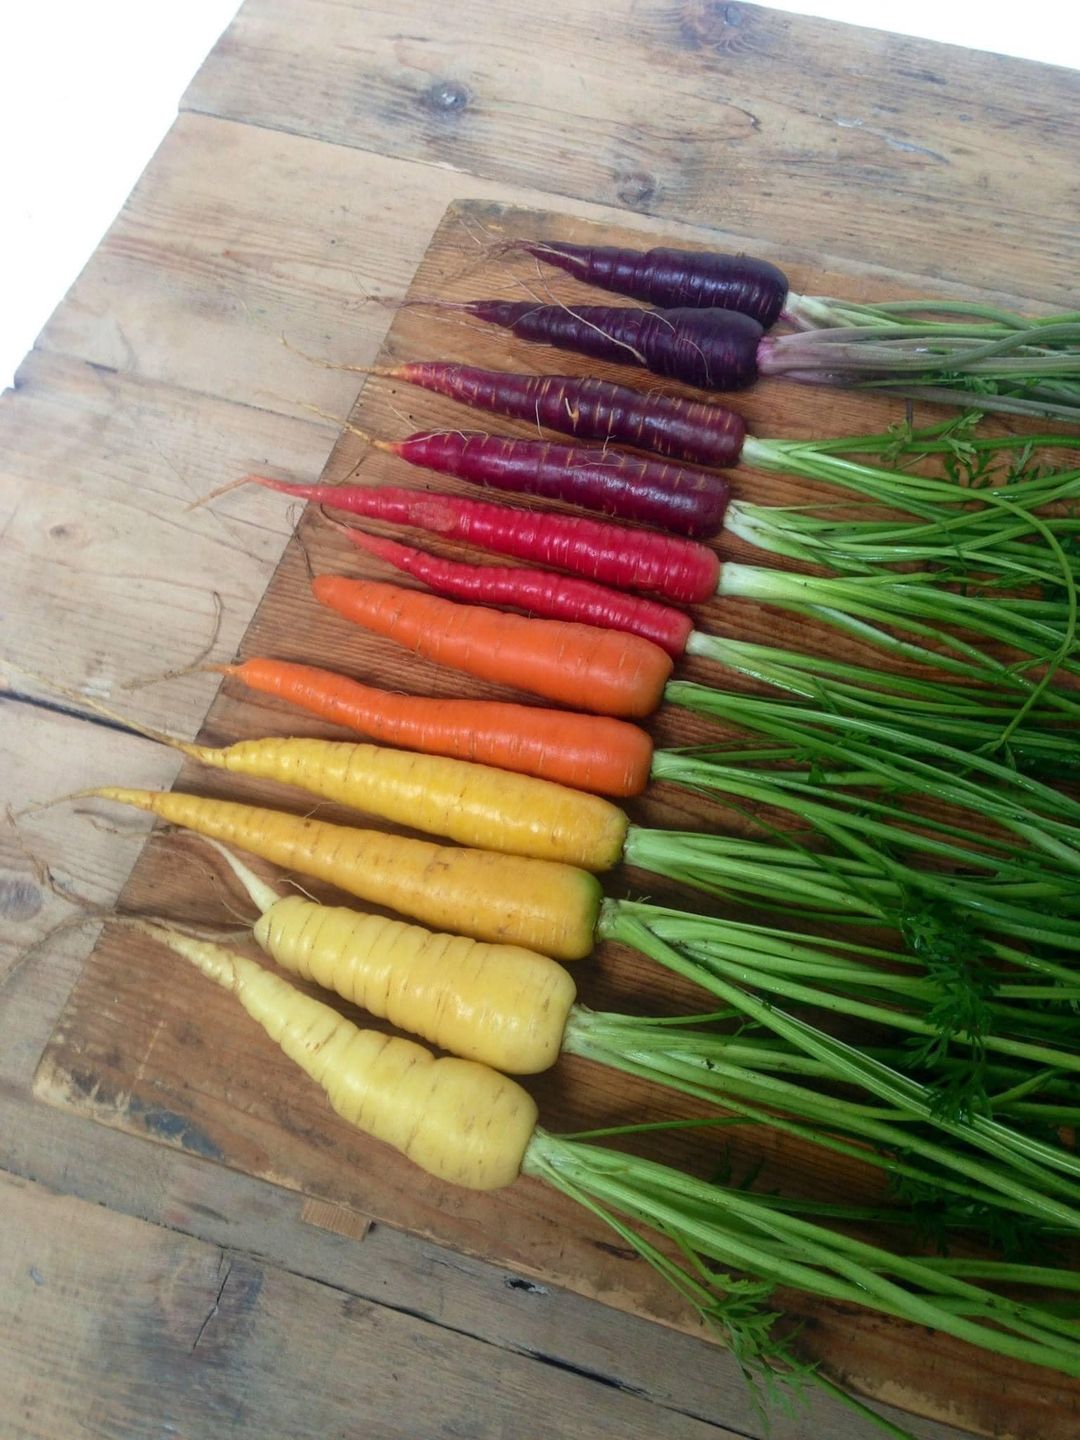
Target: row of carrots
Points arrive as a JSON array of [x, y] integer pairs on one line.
[[517, 891]]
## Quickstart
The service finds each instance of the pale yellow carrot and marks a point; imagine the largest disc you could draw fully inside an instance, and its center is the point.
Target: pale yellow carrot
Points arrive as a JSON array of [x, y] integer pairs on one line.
[[500, 1004], [458, 1120]]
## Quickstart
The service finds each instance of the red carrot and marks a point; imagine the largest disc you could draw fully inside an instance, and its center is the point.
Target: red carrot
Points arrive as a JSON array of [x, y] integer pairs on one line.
[[540, 592], [712, 349], [605, 671], [590, 409], [654, 492], [672, 278], [587, 752], [680, 570]]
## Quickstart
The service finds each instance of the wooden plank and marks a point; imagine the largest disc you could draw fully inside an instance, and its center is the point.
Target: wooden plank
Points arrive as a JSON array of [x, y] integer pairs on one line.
[[117, 1328], [813, 135], [130, 1059], [109, 574], [238, 238]]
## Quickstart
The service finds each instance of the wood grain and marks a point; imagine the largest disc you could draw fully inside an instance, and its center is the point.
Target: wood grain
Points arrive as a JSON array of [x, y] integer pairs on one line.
[[813, 135], [139, 1316], [244, 250], [131, 1051], [109, 574], [176, 1189]]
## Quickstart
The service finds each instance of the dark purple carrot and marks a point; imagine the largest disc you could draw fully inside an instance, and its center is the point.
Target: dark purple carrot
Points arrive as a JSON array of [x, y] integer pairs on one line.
[[1034, 371], [538, 592], [674, 279], [589, 409], [712, 349], [653, 492], [680, 570]]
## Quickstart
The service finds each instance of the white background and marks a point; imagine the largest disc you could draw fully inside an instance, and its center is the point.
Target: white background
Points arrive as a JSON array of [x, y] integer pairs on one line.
[[89, 87]]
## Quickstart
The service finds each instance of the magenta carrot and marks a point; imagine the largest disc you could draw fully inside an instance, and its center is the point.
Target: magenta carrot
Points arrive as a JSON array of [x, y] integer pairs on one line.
[[540, 592], [711, 349], [683, 571], [604, 671], [589, 409], [672, 278], [653, 492]]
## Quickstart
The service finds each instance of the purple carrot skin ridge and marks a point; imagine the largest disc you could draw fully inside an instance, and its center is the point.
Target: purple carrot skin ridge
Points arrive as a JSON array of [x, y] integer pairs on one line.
[[695, 431], [686, 501], [710, 349]]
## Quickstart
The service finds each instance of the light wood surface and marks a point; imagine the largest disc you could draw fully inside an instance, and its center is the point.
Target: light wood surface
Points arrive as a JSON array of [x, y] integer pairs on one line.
[[314, 156]]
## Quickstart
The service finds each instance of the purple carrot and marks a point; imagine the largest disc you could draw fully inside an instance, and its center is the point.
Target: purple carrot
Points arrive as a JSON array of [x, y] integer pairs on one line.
[[539, 592], [674, 279], [725, 350], [590, 409], [711, 349], [680, 570], [654, 492]]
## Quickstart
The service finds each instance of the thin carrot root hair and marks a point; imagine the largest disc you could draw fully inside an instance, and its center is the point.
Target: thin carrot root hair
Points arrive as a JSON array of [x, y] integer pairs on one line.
[[345, 424], [178, 672], [40, 869], [386, 370], [457, 306], [161, 737], [216, 494], [24, 956]]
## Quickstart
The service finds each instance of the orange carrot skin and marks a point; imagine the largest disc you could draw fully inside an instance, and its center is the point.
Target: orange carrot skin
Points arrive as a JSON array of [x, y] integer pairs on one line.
[[606, 671], [587, 752]]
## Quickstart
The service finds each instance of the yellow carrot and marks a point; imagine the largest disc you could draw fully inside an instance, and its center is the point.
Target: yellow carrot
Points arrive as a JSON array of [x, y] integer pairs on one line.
[[473, 804], [539, 904], [458, 1120], [500, 1004]]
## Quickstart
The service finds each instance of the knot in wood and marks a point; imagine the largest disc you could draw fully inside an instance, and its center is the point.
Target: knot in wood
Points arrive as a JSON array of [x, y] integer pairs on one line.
[[636, 187], [447, 97], [20, 900]]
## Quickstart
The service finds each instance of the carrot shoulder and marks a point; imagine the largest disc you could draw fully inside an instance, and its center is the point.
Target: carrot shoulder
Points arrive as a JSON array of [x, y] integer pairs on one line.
[[578, 665]]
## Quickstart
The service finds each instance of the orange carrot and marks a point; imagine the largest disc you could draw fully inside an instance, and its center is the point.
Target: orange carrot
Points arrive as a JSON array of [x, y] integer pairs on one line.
[[579, 665], [588, 752]]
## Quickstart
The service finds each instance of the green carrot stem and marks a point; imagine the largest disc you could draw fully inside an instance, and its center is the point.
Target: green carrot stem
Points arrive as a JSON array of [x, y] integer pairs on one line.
[[820, 1263], [630, 924]]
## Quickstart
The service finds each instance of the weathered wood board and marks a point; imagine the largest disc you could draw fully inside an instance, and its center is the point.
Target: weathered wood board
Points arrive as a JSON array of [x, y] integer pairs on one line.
[[147, 1046]]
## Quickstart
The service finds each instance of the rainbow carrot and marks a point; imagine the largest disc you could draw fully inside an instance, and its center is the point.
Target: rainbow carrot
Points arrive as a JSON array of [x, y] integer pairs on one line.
[[696, 431], [587, 752], [655, 492], [663, 276], [578, 665], [539, 592], [683, 571]]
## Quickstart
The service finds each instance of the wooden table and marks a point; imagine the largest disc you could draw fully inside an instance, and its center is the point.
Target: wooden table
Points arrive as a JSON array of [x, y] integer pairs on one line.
[[146, 1289]]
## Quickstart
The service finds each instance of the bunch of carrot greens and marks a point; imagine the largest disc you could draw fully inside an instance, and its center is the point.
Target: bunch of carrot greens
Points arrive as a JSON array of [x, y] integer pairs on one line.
[[917, 797]]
